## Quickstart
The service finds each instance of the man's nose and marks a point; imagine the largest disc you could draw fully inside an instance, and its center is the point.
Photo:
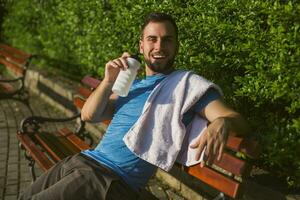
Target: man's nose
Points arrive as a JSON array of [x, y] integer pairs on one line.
[[158, 45]]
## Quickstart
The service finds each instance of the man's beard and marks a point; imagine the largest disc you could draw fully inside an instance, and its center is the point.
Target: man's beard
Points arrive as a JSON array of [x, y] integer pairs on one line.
[[160, 67]]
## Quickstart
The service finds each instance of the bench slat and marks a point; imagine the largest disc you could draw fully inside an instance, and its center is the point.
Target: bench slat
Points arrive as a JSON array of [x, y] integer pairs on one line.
[[231, 164], [247, 146], [75, 140], [209, 176], [15, 51], [78, 102], [52, 152], [57, 147], [10, 57], [44, 162], [14, 67], [90, 81], [84, 92]]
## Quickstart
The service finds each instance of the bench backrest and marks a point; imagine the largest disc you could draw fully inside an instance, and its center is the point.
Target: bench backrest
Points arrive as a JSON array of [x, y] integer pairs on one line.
[[14, 59]]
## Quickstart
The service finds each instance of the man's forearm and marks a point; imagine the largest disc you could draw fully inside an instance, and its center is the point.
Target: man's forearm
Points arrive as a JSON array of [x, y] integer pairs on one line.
[[97, 102]]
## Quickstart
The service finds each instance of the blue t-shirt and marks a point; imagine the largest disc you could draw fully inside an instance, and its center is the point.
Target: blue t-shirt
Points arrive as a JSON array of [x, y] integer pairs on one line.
[[112, 151]]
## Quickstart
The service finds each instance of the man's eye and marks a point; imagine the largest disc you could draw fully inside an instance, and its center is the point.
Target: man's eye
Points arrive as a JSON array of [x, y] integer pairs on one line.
[[151, 39]]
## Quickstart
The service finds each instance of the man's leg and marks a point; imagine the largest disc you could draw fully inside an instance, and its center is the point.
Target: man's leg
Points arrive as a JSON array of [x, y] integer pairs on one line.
[[78, 177], [44, 181], [69, 179]]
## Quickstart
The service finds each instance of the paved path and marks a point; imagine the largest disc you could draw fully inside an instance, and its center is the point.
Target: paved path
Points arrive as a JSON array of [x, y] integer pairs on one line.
[[14, 172]]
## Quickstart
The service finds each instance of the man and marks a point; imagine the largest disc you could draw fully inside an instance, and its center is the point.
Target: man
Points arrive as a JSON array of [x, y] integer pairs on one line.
[[112, 170]]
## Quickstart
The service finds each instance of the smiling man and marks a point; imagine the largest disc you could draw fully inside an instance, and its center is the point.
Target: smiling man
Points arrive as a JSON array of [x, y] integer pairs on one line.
[[139, 140]]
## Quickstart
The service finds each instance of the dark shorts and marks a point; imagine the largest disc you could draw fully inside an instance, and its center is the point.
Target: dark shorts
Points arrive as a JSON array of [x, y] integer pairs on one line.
[[79, 177]]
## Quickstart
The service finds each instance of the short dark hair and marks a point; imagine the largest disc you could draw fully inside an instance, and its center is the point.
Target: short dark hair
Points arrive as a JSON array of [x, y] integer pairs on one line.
[[159, 17]]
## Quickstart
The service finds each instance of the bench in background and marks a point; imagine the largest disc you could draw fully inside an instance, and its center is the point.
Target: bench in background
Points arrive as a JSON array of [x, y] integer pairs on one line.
[[16, 62], [226, 176]]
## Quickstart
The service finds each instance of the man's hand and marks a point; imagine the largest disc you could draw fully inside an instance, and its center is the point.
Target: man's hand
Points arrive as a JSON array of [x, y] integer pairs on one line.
[[99, 105], [214, 139], [113, 67]]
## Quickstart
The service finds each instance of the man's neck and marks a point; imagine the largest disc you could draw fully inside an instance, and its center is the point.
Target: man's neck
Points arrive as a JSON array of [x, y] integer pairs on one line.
[[150, 72]]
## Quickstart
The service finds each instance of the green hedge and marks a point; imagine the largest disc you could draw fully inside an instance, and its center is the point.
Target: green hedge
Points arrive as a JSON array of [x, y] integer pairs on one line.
[[3, 11], [250, 48]]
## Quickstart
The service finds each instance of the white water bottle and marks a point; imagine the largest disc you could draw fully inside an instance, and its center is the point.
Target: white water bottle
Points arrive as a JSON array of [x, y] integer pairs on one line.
[[126, 77]]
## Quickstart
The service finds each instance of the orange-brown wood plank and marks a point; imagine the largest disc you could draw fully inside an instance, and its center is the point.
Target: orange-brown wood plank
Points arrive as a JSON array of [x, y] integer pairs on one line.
[[10, 57], [13, 66], [247, 146], [231, 164], [52, 152], [78, 102], [35, 152], [84, 92], [14, 50], [57, 145], [63, 143], [220, 182], [90, 81], [74, 139]]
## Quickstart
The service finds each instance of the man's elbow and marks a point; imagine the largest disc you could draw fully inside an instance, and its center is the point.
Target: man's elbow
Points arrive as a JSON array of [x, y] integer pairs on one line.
[[86, 117]]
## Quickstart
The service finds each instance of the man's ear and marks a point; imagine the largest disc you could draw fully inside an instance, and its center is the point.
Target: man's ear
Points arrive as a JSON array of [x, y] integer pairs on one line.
[[141, 47]]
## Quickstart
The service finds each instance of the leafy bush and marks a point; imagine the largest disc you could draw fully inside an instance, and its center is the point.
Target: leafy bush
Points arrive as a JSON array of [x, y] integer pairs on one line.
[[250, 48], [3, 6]]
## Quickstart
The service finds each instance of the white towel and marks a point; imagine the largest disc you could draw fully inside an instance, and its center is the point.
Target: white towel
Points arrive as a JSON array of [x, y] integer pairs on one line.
[[158, 134]]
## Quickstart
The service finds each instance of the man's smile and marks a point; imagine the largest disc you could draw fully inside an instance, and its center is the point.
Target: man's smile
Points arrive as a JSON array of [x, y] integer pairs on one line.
[[159, 55]]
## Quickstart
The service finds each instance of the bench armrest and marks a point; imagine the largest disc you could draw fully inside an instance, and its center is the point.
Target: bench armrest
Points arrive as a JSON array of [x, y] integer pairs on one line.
[[35, 121]]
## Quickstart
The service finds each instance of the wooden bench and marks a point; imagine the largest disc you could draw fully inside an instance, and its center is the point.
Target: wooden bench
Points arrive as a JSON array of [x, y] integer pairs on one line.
[[226, 175], [16, 62]]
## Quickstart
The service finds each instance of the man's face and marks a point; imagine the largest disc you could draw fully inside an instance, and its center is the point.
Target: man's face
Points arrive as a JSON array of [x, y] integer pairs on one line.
[[159, 46]]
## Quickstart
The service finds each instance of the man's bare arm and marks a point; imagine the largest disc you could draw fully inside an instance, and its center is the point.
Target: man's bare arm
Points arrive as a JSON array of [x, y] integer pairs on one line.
[[100, 104], [223, 121], [217, 109]]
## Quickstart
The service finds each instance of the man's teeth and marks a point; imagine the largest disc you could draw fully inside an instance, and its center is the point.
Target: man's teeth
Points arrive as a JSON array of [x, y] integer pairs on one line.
[[158, 56]]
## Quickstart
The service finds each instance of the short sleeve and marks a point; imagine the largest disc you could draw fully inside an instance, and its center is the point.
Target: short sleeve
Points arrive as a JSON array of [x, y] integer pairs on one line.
[[209, 96]]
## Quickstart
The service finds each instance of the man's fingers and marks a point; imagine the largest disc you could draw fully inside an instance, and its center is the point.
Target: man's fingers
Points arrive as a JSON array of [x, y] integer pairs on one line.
[[216, 147], [124, 63], [195, 144], [209, 152], [119, 63], [220, 153], [112, 64]]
